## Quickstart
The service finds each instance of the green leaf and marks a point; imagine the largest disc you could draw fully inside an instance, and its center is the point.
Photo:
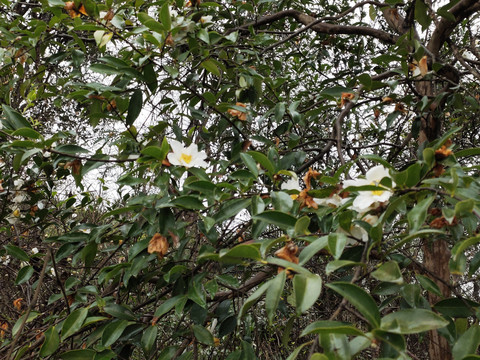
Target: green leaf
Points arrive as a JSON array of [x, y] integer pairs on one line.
[[150, 22], [113, 331], [148, 338], [301, 226], [464, 207], [312, 249], [467, 344], [167, 305], [248, 251], [456, 307], [428, 284], [336, 244], [263, 161], [73, 322], [71, 149], [188, 202], [360, 299], [79, 355], [416, 216], [389, 272], [252, 299], [307, 289], [461, 246], [24, 274], [211, 67], [28, 133], [17, 253], [338, 264], [134, 107], [14, 120], [51, 342], [296, 352], [119, 311], [274, 293], [278, 218], [288, 265], [401, 321], [165, 17], [331, 327], [250, 163], [421, 14], [230, 208], [203, 335], [155, 151]]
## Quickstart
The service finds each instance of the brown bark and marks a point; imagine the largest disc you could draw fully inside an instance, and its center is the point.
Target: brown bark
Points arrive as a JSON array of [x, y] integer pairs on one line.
[[436, 257]]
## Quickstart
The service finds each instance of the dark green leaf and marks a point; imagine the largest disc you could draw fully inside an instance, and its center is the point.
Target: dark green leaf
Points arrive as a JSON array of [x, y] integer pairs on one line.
[[274, 293], [203, 335], [400, 322], [360, 299], [73, 322], [14, 119], [24, 274], [113, 331], [51, 342], [134, 107], [333, 327]]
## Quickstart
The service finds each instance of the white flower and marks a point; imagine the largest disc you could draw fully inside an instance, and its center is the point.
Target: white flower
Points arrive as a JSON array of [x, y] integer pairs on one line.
[[333, 201], [186, 156], [20, 197], [206, 19], [369, 200], [291, 184], [34, 250], [5, 260], [18, 183], [359, 232]]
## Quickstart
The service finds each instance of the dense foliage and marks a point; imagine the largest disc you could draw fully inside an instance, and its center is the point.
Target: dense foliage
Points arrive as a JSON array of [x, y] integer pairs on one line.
[[239, 180]]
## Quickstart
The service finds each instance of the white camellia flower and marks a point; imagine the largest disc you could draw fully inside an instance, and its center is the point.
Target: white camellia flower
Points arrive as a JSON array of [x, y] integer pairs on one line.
[[34, 250], [206, 19], [369, 200], [333, 201], [186, 156], [291, 184], [359, 232], [18, 183], [20, 197]]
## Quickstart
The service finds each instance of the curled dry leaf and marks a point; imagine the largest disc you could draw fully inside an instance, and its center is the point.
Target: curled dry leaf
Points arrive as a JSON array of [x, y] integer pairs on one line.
[[75, 165], [289, 253], [158, 245], [423, 66], [17, 303], [237, 113], [3, 328], [308, 177], [442, 153], [345, 98], [306, 200]]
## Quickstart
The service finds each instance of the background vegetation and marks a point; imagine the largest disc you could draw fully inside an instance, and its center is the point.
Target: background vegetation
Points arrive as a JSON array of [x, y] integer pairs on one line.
[[239, 179]]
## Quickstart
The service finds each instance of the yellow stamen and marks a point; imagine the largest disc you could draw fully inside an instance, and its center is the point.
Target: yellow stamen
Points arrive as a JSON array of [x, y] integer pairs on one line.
[[376, 192], [186, 158]]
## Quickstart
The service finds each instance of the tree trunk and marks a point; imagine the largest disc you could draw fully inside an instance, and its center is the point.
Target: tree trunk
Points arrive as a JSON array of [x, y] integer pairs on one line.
[[436, 253]]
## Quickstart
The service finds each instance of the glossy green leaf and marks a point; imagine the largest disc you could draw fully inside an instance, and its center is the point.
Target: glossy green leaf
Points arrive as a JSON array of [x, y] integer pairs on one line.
[[312, 249], [113, 331], [400, 322], [24, 274], [416, 216], [211, 67], [278, 218], [14, 119], [230, 208], [428, 284], [73, 322], [307, 289], [389, 272], [27, 132], [17, 253], [360, 299], [249, 251], [274, 292], [263, 161], [119, 311], [165, 17], [203, 335], [456, 307], [167, 305], [331, 327], [148, 338], [134, 107], [78, 355], [51, 342], [252, 299]]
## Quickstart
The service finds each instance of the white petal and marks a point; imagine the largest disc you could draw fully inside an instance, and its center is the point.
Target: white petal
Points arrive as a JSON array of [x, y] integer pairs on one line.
[[173, 159], [356, 182], [177, 147], [377, 173]]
